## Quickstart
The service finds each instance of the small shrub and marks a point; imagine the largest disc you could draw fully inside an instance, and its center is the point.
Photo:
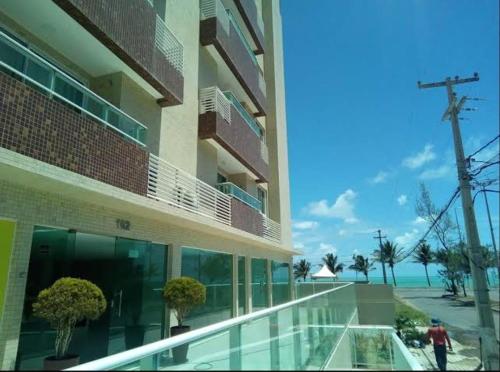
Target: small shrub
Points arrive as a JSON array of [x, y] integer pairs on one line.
[[66, 302], [182, 295]]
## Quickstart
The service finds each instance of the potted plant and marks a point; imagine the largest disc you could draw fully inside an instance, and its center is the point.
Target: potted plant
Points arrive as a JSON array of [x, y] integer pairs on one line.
[[182, 295], [66, 302]]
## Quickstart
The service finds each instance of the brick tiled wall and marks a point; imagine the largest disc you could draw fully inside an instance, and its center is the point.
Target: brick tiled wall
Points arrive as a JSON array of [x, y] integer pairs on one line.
[[32, 124], [129, 32], [249, 13], [237, 138], [246, 218], [234, 53]]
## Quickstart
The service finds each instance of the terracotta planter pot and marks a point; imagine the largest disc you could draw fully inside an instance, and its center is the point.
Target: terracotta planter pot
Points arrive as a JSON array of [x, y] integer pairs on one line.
[[53, 364], [179, 353]]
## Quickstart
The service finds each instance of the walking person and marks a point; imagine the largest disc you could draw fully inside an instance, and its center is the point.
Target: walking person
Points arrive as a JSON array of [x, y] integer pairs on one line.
[[439, 338]]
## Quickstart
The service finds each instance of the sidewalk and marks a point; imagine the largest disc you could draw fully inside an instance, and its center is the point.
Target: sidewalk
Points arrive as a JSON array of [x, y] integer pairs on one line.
[[459, 360]]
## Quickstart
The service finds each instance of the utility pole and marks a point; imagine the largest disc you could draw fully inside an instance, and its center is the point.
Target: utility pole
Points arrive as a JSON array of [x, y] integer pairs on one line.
[[483, 190], [481, 296], [382, 258]]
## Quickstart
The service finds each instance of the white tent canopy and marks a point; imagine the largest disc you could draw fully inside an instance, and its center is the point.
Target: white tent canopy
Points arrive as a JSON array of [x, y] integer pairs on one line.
[[323, 273]]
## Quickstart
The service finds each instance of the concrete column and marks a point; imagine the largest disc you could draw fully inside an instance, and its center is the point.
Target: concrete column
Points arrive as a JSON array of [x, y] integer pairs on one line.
[[269, 283], [235, 287], [174, 265], [10, 324], [291, 279], [248, 284]]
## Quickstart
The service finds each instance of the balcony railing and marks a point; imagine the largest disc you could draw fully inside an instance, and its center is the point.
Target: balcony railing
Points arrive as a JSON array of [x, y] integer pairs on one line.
[[244, 113], [169, 45], [242, 37], [297, 335], [177, 188], [32, 68], [272, 229], [229, 188], [214, 100]]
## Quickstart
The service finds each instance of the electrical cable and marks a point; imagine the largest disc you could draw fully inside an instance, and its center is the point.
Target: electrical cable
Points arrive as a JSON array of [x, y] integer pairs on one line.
[[453, 198], [484, 146]]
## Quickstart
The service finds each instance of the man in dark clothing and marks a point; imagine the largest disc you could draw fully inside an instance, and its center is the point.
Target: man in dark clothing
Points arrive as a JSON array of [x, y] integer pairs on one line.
[[439, 338]]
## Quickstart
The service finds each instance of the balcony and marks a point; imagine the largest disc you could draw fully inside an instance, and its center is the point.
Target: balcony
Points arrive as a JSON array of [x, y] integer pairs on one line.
[[49, 116], [139, 37], [224, 39], [318, 332], [231, 206], [253, 21], [227, 123]]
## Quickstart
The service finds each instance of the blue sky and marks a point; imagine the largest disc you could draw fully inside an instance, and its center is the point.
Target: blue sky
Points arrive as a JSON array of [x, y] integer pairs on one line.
[[361, 135]]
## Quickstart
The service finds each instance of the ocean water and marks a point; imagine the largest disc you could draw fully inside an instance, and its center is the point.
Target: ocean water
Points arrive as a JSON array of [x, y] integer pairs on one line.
[[412, 281]]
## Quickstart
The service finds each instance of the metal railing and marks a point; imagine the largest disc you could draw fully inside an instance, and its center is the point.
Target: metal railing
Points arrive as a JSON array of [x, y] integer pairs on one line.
[[32, 68], [230, 188], [304, 330], [169, 45], [272, 229], [178, 188]]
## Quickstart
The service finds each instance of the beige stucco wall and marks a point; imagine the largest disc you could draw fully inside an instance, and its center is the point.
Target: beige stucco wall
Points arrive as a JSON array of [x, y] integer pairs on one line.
[[179, 134], [279, 188], [375, 304], [207, 163]]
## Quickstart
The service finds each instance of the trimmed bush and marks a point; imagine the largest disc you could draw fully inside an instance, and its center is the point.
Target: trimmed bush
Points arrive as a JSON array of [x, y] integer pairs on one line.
[[67, 302], [182, 295]]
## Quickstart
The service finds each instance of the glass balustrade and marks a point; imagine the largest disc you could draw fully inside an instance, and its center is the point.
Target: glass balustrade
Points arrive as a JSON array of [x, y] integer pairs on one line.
[[242, 37], [252, 123], [24, 64], [233, 190]]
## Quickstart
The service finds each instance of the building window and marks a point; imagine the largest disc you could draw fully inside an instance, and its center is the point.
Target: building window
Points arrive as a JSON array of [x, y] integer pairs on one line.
[[215, 271], [221, 178], [259, 284], [241, 286], [262, 196], [281, 282]]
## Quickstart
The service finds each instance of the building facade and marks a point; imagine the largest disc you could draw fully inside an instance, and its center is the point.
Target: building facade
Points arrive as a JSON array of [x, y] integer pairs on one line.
[[140, 143]]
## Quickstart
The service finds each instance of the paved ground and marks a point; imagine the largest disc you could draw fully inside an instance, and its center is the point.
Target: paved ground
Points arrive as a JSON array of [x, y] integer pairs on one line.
[[459, 317]]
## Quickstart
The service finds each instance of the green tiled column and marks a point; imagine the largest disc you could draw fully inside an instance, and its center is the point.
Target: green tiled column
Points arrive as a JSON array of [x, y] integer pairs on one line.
[[7, 229]]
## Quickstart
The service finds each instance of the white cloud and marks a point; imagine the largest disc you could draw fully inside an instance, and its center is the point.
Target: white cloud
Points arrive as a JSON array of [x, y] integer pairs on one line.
[[408, 238], [419, 221], [355, 252], [343, 207], [402, 199], [298, 245], [420, 158], [381, 177], [434, 173], [342, 232], [327, 248], [305, 225]]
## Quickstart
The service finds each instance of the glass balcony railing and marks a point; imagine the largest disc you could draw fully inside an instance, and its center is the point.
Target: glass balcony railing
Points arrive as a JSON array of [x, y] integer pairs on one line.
[[229, 188], [244, 113], [18, 60], [242, 37]]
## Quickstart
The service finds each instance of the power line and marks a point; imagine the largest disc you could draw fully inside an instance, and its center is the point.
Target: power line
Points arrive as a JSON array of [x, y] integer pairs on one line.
[[483, 147], [453, 198]]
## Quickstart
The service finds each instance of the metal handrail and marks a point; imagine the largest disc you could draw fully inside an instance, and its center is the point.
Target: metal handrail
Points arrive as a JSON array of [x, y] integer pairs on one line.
[[129, 356]]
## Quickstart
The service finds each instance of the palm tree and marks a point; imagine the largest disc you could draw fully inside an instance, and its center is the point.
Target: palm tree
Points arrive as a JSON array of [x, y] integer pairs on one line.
[[362, 265], [301, 269], [330, 261], [425, 256], [391, 254]]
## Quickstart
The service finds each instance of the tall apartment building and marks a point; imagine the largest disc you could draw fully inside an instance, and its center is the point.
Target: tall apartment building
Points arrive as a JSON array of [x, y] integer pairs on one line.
[[140, 140]]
